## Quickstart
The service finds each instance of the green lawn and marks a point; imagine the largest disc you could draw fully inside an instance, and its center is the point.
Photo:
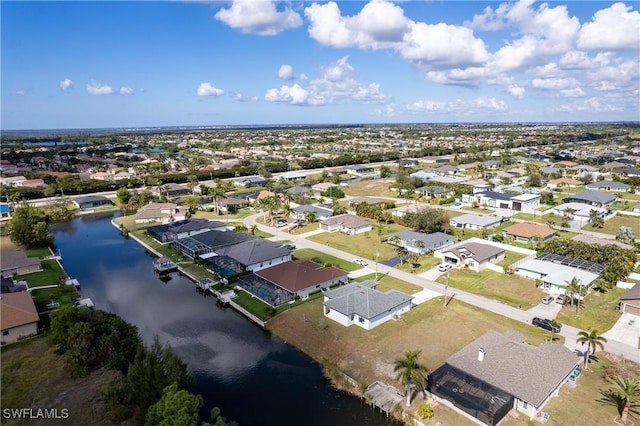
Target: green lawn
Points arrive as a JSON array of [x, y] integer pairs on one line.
[[323, 258], [511, 257], [425, 263], [365, 245], [387, 282], [477, 209], [612, 225], [597, 312], [51, 274], [39, 252], [64, 295], [254, 305], [512, 290], [539, 218]]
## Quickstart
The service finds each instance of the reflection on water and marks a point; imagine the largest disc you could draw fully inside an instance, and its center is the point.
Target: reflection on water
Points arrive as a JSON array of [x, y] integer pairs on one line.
[[254, 377]]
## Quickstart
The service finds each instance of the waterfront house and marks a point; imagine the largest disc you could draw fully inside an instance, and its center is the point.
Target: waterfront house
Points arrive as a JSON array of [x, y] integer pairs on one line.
[[526, 232], [473, 256], [183, 228], [14, 262], [209, 242], [346, 223], [361, 304], [91, 201], [250, 255], [18, 317], [499, 372], [475, 221], [161, 212]]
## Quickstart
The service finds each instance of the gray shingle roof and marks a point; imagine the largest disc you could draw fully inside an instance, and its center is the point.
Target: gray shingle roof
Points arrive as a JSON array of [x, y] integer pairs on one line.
[[254, 251], [363, 300], [590, 196], [530, 373], [476, 219], [477, 251]]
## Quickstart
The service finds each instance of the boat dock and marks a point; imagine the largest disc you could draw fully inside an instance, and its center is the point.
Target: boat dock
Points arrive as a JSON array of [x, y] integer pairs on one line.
[[164, 265], [205, 283]]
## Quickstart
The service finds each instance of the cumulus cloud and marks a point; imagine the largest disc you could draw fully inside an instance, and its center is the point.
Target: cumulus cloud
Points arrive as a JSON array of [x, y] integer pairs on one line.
[[458, 106], [554, 83], [66, 85], [293, 95], [259, 17], [126, 91], [285, 72], [516, 91], [95, 88], [207, 89], [592, 104], [614, 28], [22, 92]]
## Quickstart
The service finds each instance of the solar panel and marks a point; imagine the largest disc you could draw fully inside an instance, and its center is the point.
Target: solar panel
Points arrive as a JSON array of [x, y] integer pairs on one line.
[[581, 264]]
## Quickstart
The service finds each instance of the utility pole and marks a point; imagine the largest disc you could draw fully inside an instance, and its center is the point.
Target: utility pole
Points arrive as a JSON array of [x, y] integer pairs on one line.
[[446, 285]]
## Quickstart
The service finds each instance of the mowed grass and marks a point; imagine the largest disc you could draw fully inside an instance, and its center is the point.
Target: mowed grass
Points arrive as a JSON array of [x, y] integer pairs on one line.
[[387, 282], [597, 312], [612, 225], [512, 290], [323, 258], [425, 263], [366, 245], [51, 274], [370, 188], [64, 295], [511, 257]]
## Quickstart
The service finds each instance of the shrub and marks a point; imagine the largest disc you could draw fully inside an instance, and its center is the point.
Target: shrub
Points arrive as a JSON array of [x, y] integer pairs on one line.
[[425, 411]]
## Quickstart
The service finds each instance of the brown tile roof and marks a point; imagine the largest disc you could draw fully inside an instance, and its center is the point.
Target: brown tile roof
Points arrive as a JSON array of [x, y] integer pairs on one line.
[[295, 276], [529, 230], [530, 373], [17, 309]]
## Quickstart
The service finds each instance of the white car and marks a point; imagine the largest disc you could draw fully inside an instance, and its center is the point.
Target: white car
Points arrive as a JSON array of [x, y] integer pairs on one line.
[[444, 267], [280, 223], [361, 262]]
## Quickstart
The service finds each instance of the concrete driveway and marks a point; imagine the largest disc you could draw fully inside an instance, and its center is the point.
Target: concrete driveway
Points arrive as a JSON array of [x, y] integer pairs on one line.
[[545, 311], [432, 274], [625, 330]]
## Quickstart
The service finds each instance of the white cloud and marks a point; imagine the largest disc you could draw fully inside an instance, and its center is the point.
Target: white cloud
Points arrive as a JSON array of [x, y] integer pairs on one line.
[[516, 91], [22, 92], [258, 17], [66, 84], [241, 98], [285, 72], [126, 91], [95, 88], [573, 93], [294, 95], [206, 89], [592, 105], [459, 106], [554, 83], [614, 28]]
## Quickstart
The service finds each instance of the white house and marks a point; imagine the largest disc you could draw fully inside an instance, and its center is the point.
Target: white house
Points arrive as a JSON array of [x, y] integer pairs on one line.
[[475, 221], [554, 276], [363, 305], [346, 223], [474, 256]]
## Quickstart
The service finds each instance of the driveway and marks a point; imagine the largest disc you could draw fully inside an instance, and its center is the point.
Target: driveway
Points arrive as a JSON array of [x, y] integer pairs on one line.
[[545, 311], [625, 330], [432, 274]]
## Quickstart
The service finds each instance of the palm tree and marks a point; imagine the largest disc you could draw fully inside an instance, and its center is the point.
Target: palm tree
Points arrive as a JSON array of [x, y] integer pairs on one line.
[[627, 392], [410, 371], [593, 341], [575, 290]]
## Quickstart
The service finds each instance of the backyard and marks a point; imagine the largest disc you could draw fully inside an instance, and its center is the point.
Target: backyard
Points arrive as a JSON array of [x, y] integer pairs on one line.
[[612, 225], [323, 259], [512, 290]]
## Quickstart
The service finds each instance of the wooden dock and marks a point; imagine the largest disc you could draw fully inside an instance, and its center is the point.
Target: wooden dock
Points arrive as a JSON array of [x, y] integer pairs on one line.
[[383, 396], [164, 265]]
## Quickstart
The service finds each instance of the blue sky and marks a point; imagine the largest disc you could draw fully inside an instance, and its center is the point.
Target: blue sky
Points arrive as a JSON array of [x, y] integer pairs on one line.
[[132, 64]]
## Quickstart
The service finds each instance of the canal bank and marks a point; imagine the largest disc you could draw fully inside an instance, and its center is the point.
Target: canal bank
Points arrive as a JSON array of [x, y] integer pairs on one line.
[[252, 375]]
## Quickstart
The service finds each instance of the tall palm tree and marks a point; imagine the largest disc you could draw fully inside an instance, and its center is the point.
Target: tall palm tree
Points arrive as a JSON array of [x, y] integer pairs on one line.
[[628, 390], [575, 290], [593, 341], [410, 371]]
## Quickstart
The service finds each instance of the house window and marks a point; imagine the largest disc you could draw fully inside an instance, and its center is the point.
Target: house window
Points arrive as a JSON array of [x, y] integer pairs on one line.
[[361, 320], [523, 404], [5, 332]]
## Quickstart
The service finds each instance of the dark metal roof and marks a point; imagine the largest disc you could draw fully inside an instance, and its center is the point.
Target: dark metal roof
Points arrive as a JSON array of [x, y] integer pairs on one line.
[[584, 265]]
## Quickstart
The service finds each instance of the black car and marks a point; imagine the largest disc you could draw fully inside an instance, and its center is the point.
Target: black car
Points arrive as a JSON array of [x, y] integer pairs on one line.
[[546, 324]]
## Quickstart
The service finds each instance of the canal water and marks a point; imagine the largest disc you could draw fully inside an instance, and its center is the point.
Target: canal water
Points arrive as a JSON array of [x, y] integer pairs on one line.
[[254, 377]]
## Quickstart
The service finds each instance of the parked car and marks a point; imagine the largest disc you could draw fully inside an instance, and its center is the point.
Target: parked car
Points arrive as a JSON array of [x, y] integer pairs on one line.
[[444, 267], [361, 262], [560, 299], [546, 324], [281, 222], [547, 299]]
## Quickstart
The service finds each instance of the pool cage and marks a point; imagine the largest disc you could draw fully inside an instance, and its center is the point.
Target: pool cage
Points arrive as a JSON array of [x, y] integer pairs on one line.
[[266, 291], [225, 266], [475, 397]]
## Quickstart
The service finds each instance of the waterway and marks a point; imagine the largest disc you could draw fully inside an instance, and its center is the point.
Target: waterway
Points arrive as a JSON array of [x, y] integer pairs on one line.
[[254, 377]]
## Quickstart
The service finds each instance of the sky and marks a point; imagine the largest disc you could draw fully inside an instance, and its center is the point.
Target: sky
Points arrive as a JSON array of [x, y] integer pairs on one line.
[[93, 64]]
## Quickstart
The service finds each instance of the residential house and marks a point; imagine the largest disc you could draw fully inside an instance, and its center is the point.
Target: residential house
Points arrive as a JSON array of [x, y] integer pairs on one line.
[[549, 170], [362, 171], [291, 176], [557, 271], [591, 197], [202, 244], [5, 211], [419, 242], [103, 176], [630, 302], [91, 201], [636, 208], [346, 223], [14, 262], [579, 212], [301, 278], [406, 209], [321, 211], [361, 304], [426, 174], [435, 192], [9, 285], [321, 187], [502, 200], [226, 205], [478, 185], [446, 170], [171, 190], [32, 183], [475, 221], [18, 317], [174, 231], [564, 182], [609, 185], [8, 168], [526, 232], [250, 181], [499, 372], [161, 212], [253, 254], [474, 256]]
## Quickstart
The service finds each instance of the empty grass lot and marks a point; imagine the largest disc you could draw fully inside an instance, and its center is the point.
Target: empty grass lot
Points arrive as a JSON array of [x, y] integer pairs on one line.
[[365, 245], [612, 225], [597, 312], [512, 290], [370, 188], [387, 282], [322, 258]]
